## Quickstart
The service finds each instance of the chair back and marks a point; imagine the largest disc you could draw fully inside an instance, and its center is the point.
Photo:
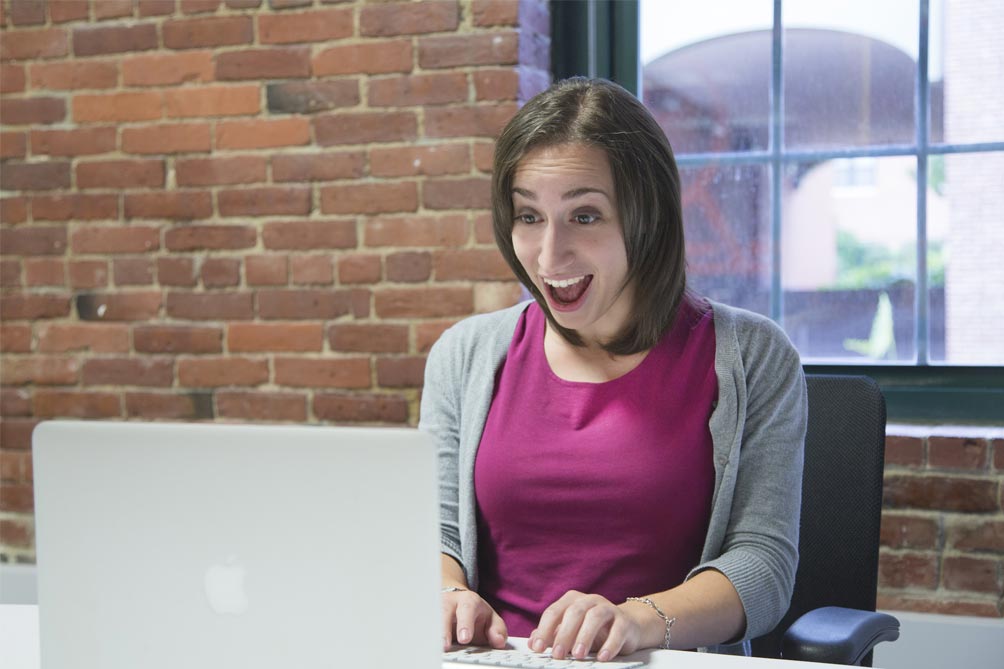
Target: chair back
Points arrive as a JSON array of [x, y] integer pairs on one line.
[[841, 501]]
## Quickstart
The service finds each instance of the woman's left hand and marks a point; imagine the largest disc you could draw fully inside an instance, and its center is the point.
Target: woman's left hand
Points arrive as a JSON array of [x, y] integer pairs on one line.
[[579, 623]]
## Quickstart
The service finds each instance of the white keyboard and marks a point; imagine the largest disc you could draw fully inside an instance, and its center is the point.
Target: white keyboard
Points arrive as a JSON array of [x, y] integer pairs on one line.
[[524, 659]]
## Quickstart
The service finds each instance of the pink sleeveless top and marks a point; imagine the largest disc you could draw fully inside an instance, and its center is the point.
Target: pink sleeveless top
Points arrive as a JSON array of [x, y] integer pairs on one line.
[[599, 487]]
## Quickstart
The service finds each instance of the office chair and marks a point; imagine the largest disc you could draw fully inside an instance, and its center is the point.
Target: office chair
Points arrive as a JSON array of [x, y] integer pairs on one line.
[[832, 615]]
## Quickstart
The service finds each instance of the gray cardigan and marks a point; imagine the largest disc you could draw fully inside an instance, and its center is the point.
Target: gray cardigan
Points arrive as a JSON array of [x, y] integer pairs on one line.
[[757, 430]]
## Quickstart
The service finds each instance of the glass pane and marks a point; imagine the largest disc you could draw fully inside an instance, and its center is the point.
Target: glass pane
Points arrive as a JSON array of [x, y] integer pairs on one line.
[[967, 76], [968, 278], [706, 72], [848, 249], [726, 214], [849, 72]]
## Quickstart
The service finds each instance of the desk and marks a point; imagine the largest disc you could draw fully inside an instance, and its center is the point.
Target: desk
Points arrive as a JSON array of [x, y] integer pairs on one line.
[[19, 649]]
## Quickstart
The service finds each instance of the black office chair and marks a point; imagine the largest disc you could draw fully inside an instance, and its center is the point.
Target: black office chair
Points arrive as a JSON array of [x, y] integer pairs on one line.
[[832, 615]]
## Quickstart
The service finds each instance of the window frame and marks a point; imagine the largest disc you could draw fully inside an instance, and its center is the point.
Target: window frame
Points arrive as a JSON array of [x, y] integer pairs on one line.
[[599, 38]]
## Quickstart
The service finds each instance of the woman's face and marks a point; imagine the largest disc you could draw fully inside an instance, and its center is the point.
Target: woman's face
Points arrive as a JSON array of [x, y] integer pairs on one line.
[[568, 237]]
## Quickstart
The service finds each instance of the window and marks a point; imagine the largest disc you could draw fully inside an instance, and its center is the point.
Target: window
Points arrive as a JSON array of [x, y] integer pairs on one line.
[[842, 171]]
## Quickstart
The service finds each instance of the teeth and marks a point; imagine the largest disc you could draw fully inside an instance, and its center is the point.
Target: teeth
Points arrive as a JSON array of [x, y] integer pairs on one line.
[[564, 283]]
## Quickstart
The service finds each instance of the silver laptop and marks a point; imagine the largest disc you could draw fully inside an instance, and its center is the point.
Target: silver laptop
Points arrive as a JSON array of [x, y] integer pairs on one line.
[[184, 545]]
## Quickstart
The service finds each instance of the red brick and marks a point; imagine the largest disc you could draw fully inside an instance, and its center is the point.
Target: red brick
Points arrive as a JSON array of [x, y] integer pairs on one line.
[[434, 231], [262, 134], [45, 272], [470, 193], [908, 570], [261, 406], [16, 533], [307, 235], [91, 41], [142, 371], [316, 26], [199, 6], [15, 434], [215, 171], [323, 372], [264, 201], [418, 89], [357, 408], [76, 142], [501, 84], [326, 166], [495, 13], [205, 32], [311, 270], [156, 7], [167, 138], [484, 120], [471, 264], [998, 446], [16, 307], [121, 174], [17, 497], [15, 402], [186, 406], [957, 453], [266, 270], [369, 198], [75, 206], [365, 127], [432, 160], [49, 175], [925, 604], [177, 339], [87, 274], [368, 338], [212, 101], [424, 302], [14, 209], [484, 155], [34, 44], [12, 78], [940, 493], [175, 271], [496, 48], [408, 18], [32, 111], [15, 338], [220, 272], [906, 531], [973, 574], [257, 64], [216, 372], [133, 306], [310, 97], [133, 271], [10, 274], [76, 404], [286, 337], [288, 4], [977, 535], [113, 9], [168, 69], [427, 334], [40, 370], [34, 240], [244, 4], [303, 304], [409, 266], [374, 57], [74, 75], [13, 144], [401, 372], [178, 205], [358, 268], [63, 12], [210, 306], [117, 107], [27, 12], [93, 337], [116, 239], [15, 456]]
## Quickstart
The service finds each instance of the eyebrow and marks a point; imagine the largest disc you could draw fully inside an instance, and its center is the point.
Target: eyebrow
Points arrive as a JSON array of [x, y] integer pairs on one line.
[[569, 195]]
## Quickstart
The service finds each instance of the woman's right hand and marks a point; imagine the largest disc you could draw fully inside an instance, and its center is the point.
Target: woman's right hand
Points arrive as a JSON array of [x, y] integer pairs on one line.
[[468, 619]]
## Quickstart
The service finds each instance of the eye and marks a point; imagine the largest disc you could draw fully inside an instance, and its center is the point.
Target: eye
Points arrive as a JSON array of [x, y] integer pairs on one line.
[[527, 219], [585, 219]]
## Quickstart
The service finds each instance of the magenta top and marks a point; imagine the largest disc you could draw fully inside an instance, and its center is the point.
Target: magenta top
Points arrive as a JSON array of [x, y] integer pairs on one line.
[[599, 487]]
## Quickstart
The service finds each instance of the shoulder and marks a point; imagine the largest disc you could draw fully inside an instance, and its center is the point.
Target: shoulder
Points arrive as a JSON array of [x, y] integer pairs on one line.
[[750, 332], [478, 340]]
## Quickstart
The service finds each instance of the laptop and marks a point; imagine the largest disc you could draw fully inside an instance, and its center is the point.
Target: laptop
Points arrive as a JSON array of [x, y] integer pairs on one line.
[[212, 546]]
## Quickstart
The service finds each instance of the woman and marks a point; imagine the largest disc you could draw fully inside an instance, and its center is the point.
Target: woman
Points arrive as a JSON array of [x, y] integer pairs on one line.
[[620, 460]]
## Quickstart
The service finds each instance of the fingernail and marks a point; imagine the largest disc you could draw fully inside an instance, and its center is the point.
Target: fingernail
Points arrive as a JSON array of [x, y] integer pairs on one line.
[[603, 656], [579, 651], [463, 635], [537, 645], [558, 652]]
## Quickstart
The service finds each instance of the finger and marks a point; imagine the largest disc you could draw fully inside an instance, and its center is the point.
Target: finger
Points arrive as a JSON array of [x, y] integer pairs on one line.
[[543, 636], [467, 614], [566, 640], [496, 633], [593, 630], [617, 639]]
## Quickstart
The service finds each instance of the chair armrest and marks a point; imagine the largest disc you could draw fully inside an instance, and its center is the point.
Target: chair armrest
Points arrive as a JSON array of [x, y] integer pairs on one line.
[[837, 635]]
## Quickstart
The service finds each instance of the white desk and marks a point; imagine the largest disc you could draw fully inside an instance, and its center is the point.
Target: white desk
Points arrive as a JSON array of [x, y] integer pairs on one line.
[[19, 649]]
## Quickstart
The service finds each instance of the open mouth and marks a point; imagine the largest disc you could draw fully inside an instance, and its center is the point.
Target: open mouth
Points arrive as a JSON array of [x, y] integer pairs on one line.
[[566, 294]]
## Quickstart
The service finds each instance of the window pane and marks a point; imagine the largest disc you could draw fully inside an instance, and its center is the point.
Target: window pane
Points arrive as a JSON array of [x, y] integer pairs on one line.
[[968, 73], [706, 72], [726, 213], [848, 249], [970, 278], [849, 72]]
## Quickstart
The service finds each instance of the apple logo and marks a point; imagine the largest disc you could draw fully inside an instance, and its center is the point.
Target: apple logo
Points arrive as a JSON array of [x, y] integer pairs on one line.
[[225, 587]]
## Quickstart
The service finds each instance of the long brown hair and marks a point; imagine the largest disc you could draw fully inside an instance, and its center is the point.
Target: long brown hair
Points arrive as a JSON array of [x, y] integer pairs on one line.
[[600, 113]]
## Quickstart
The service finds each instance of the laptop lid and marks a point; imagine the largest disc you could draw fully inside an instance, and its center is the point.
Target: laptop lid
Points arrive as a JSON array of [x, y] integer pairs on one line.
[[208, 545]]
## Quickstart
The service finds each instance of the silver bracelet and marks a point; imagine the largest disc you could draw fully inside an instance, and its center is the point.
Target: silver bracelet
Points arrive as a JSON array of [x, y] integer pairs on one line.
[[453, 588], [666, 619]]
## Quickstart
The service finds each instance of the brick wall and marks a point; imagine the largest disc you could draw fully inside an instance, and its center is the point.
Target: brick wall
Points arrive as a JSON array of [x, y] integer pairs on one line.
[[240, 210]]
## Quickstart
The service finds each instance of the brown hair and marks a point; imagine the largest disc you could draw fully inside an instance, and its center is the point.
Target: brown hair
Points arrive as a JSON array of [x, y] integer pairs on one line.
[[600, 113]]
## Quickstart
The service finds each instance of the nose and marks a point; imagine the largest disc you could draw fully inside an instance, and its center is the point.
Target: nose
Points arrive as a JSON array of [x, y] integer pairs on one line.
[[555, 249]]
